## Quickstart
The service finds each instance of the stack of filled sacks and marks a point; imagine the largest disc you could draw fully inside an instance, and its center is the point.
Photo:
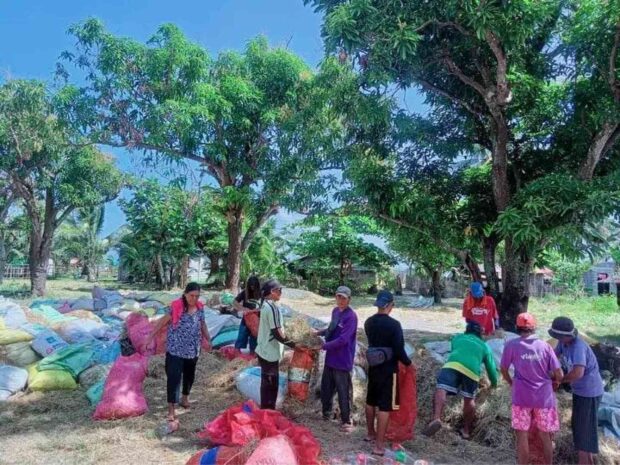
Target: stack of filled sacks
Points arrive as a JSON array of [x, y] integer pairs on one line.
[[52, 342]]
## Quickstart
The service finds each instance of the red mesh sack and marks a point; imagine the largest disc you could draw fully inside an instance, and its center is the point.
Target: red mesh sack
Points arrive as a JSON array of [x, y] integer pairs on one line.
[[299, 372], [402, 421], [221, 455], [244, 423], [251, 320]]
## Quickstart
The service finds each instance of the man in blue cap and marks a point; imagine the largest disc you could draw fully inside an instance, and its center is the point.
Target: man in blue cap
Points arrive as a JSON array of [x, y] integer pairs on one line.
[[386, 347], [481, 308]]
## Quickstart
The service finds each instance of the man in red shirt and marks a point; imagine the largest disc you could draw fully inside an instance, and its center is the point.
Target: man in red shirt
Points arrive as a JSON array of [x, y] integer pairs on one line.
[[481, 308]]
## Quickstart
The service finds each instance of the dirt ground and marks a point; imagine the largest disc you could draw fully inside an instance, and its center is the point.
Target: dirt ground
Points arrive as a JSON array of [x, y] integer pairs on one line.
[[56, 427]]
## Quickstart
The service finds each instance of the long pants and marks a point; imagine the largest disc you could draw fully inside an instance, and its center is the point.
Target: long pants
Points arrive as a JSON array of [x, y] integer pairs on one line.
[[269, 379], [244, 337], [177, 368], [336, 381]]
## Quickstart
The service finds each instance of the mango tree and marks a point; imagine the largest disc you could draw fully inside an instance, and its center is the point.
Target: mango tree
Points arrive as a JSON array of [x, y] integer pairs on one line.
[[533, 84], [48, 169], [257, 122]]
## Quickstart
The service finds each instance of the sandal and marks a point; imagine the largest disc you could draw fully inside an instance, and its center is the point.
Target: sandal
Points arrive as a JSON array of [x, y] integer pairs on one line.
[[378, 453], [464, 435], [432, 428], [369, 439]]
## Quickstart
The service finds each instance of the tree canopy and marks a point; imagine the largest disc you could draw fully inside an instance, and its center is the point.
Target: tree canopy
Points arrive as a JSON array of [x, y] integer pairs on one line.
[[257, 122]]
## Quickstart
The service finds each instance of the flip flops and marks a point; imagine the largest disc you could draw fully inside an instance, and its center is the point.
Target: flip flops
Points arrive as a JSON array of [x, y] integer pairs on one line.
[[464, 435]]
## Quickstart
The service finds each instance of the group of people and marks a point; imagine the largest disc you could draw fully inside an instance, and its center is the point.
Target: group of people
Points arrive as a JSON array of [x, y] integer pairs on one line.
[[529, 365], [533, 369]]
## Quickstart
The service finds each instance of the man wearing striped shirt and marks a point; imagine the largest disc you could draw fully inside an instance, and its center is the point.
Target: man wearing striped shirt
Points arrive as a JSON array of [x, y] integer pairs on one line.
[[461, 375]]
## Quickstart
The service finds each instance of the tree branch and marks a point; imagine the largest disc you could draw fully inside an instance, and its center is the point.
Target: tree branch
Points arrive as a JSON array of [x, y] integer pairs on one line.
[[613, 80], [603, 141], [503, 92], [470, 108], [454, 69], [255, 227]]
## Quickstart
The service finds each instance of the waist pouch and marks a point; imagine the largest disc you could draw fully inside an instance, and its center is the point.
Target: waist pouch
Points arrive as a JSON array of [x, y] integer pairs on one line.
[[378, 355]]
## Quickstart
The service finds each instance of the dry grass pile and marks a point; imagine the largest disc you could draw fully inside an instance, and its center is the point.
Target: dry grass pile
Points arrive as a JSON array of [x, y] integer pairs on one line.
[[221, 373], [93, 375], [299, 330]]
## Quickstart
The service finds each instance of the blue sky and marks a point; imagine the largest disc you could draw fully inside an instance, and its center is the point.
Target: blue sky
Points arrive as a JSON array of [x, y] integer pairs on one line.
[[33, 33]]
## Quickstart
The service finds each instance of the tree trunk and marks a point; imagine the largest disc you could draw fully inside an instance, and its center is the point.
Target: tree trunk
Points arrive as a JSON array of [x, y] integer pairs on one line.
[[183, 272], [515, 280], [341, 273], [489, 245], [161, 273], [2, 257], [436, 284], [214, 264], [40, 253], [235, 231]]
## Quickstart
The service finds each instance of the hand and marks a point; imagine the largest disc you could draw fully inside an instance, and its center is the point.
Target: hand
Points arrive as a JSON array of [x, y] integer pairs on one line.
[[556, 385]]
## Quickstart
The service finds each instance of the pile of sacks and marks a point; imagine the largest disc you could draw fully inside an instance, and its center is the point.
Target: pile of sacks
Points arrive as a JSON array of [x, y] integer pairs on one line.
[[245, 434], [97, 343]]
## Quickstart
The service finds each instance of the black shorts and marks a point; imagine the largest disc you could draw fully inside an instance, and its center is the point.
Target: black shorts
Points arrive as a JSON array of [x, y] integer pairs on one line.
[[584, 423], [383, 390], [455, 382]]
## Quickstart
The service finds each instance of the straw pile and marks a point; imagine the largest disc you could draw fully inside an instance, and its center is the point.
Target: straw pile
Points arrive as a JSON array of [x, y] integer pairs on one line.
[[299, 330], [493, 416], [221, 373]]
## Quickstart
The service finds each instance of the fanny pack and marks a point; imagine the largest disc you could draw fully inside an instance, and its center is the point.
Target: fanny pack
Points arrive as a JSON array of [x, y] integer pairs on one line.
[[378, 355]]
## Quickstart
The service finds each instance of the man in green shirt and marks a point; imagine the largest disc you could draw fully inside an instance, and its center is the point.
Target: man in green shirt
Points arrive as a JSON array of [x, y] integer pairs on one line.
[[271, 342], [460, 375]]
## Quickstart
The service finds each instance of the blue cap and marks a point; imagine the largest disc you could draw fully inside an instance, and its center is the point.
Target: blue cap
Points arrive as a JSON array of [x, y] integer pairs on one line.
[[476, 289], [384, 298]]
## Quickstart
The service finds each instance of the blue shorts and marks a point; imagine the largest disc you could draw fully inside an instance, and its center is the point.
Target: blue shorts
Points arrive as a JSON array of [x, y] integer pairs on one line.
[[455, 382]]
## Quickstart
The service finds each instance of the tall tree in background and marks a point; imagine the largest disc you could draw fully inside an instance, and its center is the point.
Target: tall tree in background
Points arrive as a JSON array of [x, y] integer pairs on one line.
[[80, 237], [7, 198], [50, 174], [259, 123], [334, 245], [535, 84], [167, 226]]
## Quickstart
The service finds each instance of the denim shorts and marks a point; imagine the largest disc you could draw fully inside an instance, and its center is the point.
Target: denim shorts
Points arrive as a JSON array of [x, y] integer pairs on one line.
[[455, 382]]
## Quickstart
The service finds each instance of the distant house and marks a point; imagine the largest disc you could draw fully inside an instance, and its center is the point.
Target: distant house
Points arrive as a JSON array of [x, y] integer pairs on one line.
[[603, 278]]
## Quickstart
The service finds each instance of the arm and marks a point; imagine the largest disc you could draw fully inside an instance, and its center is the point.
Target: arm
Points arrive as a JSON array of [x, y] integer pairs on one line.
[[399, 348], [489, 364], [278, 335], [557, 376], [347, 332], [575, 374], [238, 307], [506, 376], [163, 321]]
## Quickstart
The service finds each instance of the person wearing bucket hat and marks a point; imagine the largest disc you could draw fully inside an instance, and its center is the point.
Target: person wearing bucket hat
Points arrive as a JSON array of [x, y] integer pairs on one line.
[[270, 343], [340, 341], [461, 375], [481, 308], [386, 347], [582, 372], [536, 371]]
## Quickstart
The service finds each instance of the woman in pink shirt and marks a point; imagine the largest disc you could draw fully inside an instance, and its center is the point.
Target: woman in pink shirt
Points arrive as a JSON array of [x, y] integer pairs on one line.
[[536, 370]]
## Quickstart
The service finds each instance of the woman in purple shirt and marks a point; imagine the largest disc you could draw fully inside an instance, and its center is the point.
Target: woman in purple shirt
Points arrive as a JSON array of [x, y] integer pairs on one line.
[[582, 372], [533, 401]]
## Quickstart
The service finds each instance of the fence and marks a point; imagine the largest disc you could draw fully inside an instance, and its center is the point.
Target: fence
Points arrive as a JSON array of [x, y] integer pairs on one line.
[[58, 271]]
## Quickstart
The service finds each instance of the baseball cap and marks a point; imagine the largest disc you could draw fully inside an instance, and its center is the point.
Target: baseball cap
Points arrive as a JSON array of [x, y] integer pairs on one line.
[[384, 298], [562, 327], [526, 321], [476, 289], [344, 291], [270, 286]]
